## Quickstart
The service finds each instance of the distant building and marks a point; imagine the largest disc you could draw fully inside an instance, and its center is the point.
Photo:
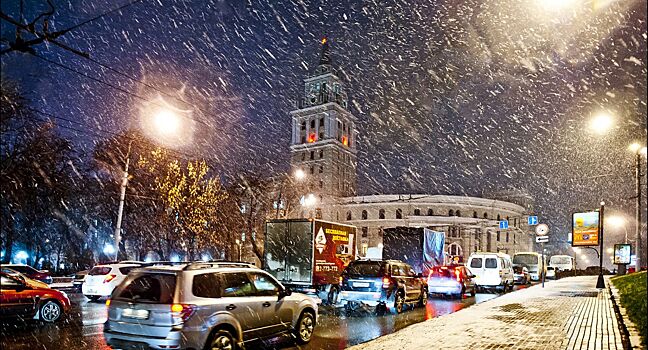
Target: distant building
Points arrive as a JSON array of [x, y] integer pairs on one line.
[[323, 150]]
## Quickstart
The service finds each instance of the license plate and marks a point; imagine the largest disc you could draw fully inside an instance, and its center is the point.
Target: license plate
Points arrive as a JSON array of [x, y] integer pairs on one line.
[[91, 291], [361, 284], [137, 314]]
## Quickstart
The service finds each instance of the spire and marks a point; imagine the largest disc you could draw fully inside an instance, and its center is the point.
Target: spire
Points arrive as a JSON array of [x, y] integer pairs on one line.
[[325, 56]]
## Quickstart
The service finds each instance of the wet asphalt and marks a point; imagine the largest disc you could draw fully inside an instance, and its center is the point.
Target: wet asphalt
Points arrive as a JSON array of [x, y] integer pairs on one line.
[[82, 328]]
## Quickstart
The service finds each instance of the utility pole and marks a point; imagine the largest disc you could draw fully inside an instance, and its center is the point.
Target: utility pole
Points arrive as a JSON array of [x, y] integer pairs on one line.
[[122, 197], [638, 211]]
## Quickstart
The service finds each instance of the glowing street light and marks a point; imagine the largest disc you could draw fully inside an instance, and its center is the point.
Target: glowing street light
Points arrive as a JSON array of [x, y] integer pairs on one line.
[[609, 250], [166, 122], [300, 174], [616, 221], [601, 123]]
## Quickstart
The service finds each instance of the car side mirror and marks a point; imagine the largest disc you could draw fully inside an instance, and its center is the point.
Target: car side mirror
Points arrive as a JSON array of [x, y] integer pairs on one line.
[[284, 293]]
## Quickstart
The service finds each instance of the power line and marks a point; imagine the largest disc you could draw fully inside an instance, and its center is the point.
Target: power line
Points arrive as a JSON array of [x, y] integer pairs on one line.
[[102, 15], [122, 90], [98, 132]]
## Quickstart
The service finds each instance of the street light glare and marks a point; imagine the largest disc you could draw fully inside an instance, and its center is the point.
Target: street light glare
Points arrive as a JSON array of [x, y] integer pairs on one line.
[[556, 5], [300, 174], [634, 147], [166, 121], [601, 123], [616, 221]]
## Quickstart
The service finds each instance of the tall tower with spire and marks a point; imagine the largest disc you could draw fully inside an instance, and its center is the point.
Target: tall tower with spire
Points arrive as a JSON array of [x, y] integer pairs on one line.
[[323, 141]]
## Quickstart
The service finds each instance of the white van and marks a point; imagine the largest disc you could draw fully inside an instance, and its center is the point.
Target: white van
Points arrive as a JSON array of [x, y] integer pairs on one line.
[[562, 262], [533, 262], [491, 270]]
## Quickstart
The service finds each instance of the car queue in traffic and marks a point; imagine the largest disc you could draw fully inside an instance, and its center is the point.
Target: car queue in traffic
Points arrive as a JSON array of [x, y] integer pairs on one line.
[[224, 305]]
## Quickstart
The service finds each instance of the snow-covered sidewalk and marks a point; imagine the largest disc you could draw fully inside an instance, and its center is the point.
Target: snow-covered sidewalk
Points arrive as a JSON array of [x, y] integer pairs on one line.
[[567, 314]]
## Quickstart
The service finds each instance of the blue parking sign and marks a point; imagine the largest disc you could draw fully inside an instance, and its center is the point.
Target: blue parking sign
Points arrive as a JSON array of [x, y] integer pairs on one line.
[[533, 220], [503, 224]]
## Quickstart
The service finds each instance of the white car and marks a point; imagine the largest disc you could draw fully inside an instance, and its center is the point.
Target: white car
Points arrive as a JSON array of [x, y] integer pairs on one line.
[[492, 271], [102, 279]]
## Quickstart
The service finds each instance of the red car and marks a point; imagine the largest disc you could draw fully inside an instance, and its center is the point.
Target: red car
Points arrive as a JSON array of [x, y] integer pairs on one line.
[[21, 298], [30, 272]]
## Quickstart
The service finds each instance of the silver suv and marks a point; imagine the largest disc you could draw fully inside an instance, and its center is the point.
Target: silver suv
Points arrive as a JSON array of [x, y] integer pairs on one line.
[[213, 305]]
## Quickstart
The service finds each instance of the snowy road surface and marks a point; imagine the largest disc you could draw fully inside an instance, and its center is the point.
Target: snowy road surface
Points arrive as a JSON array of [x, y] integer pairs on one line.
[[336, 330]]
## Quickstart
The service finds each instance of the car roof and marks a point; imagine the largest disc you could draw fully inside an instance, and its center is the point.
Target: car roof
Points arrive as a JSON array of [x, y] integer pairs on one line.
[[117, 265], [210, 265]]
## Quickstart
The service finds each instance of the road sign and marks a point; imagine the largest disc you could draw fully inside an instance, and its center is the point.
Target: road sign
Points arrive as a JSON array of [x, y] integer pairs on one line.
[[532, 220], [542, 230], [542, 239], [503, 225]]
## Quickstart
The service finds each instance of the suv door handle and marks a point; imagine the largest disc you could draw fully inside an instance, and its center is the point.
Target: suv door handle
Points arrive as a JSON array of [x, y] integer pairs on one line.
[[266, 304], [230, 307]]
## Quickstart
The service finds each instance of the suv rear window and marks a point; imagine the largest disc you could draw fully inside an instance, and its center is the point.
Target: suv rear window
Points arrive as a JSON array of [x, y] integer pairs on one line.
[[491, 263], [126, 270], [365, 268], [99, 270], [206, 285], [476, 263], [156, 288]]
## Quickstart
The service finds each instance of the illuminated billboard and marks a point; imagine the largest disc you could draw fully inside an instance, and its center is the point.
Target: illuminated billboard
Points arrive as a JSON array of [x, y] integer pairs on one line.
[[622, 254], [585, 229]]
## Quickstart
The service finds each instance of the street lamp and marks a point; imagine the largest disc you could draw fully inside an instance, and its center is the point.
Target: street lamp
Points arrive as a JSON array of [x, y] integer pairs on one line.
[[618, 221], [238, 244], [300, 174], [638, 151], [166, 121], [601, 123]]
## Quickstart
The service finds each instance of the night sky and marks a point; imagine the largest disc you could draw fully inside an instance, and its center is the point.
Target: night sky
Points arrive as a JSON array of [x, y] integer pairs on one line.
[[453, 97]]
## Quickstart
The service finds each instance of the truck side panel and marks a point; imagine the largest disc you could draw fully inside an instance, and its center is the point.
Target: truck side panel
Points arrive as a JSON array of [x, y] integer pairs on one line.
[[334, 250], [288, 251]]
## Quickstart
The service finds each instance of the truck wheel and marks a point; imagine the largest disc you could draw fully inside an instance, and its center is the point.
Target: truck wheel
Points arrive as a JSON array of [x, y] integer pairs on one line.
[[332, 297], [381, 308], [423, 298], [399, 303]]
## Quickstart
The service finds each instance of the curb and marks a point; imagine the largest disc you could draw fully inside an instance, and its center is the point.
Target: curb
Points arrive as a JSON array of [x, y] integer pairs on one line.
[[631, 338]]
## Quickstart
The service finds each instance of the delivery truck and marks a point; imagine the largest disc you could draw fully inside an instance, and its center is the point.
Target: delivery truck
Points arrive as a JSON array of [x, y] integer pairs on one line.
[[420, 247], [309, 255]]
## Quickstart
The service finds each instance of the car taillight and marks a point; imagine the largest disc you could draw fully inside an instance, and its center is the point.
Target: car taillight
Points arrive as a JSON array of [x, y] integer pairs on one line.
[[458, 274], [184, 311], [386, 282], [340, 280], [109, 278]]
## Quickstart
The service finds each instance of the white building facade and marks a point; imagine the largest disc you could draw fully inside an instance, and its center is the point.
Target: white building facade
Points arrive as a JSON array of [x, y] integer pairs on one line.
[[323, 147]]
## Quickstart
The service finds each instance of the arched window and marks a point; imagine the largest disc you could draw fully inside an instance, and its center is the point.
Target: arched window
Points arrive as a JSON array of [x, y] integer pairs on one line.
[[455, 249], [381, 214], [348, 215], [430, 212], [475, 214], [498, 217], [399, 213], [417, 212], [365, 231], [451, 212], [364, 215], [458, 213], [485, 215]]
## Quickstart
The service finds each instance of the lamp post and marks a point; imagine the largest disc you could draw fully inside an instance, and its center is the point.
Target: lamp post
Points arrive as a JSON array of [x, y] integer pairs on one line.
[[638, 151], [166, 122], [298, 175], [600, 283]]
